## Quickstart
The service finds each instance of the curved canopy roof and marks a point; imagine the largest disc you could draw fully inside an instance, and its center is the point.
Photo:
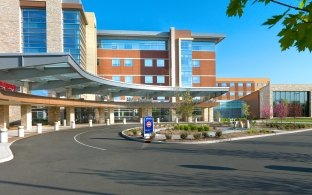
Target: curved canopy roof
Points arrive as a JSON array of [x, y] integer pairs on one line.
[[59, 72]]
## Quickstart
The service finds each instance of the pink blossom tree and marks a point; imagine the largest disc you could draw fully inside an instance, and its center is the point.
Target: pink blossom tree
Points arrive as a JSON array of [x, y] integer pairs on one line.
[[266, 112], [281, 110]]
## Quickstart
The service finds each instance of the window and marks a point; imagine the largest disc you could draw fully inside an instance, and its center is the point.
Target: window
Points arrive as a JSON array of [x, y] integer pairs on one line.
[[128, 79], [248, 84], [148, 79], [196, 63], [224, 84], [186, 63], [196, 79], [160, 79], [34, 31], [217, 84], [115, 62], [72, 36], [240, 94], [158, 45], [240, 84], [148, 63], [232, 94], [232, 84], [128, 62], [160, 63], [116, 78], [161, 98], [203, 46]]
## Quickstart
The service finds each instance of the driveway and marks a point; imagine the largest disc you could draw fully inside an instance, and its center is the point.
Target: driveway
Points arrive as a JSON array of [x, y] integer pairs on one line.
[[98, 161]]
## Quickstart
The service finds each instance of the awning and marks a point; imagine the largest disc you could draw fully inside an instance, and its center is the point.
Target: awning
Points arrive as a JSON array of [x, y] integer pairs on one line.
[[59, 72]]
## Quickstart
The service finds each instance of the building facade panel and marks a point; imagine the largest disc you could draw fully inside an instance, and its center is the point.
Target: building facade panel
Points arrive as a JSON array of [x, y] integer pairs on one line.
[[10, 22], [54, 26]]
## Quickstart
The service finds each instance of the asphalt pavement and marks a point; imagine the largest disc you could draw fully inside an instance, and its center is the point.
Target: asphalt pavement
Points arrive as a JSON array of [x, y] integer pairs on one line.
[[98, 161]]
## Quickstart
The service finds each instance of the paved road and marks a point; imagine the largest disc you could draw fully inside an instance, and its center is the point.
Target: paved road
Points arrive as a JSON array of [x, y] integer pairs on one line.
[[56, 164]]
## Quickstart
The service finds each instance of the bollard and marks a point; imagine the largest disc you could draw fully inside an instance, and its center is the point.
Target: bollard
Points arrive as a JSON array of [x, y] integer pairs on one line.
[[56, 126], [64, 123], [124, 121], [247, 124], [107, 122], [177, 120], [90, 123], [195, 120], [141, 120], [39, 128], [73, 125], [158, 120], [59, 123], [3, 135], [21, 131]]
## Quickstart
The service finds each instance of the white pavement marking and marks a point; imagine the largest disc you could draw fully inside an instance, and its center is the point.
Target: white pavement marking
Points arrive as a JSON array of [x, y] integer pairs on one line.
[[75, 138]]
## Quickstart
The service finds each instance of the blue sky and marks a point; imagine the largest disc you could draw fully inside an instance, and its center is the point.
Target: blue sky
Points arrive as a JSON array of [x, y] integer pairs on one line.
[[249, 49]]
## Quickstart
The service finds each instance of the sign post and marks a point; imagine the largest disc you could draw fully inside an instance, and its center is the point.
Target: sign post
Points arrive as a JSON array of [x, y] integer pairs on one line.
[[148, 126]]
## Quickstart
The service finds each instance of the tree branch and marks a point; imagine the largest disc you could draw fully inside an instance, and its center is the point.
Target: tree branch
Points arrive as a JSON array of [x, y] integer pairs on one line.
[[289, 6]]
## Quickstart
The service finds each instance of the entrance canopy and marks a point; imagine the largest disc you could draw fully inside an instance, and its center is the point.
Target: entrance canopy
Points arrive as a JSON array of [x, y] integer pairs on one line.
[[59, 72]]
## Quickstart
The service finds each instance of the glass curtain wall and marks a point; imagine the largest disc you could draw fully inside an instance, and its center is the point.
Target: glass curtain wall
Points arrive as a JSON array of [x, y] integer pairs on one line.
[[230, 109], [74, 36], [186, 63], [34, 30], [300, 98]]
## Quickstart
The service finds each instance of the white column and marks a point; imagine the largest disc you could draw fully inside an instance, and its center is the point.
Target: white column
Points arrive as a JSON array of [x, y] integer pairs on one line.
[[205, 114], [4, 116], [26, 119], [101, 115], [210, 115], [70, 115], [39, 128], [111, 116]]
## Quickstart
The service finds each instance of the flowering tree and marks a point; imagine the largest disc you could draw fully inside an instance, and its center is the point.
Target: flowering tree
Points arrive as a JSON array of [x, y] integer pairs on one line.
[[294, 110], [266, 112], [281, 110]]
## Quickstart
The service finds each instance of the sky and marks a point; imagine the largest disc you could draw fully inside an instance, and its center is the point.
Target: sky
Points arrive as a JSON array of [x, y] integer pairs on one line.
[[249, 49]]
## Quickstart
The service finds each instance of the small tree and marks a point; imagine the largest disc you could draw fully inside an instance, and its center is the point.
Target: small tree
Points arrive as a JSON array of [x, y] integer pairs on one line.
[[266, 112], [295, 111], [281, 110], [246, 110], [185, 108]]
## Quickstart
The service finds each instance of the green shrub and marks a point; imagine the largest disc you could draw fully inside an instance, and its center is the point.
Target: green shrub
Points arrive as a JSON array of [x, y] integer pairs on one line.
[[183, 135], [264, 131], [200, 128], [134, 131], [176, 127], [205, 135], [129, 133], [186, 127], [218, 134], [252, 131], [193, 127], [168, 136], [181, 127], [206, 128], [197, 135]]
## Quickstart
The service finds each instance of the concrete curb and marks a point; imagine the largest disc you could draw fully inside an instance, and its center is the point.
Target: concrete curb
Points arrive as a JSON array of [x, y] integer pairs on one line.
[[7, 151], [217, 141]]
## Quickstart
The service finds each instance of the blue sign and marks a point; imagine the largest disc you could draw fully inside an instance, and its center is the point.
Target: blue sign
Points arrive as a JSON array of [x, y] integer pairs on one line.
[[148, 126]]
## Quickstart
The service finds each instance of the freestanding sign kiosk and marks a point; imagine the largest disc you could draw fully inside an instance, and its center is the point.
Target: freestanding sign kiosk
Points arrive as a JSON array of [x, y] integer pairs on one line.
[[148, 126]]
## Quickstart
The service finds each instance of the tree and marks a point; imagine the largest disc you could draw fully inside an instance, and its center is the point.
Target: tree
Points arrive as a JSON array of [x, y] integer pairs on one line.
[[295, 110], [266, 112], [296, 21], [281, 110], [185, 108], [246, 111]]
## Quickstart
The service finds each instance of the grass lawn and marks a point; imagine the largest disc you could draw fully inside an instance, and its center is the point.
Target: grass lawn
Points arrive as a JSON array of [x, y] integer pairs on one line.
[[304, 120]]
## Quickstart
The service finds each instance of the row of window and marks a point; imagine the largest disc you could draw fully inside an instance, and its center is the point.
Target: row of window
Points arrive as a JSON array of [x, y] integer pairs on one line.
[[147, 62], [149, 79], [240, 93], [240, 84], [132, 44], [232, 84]]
